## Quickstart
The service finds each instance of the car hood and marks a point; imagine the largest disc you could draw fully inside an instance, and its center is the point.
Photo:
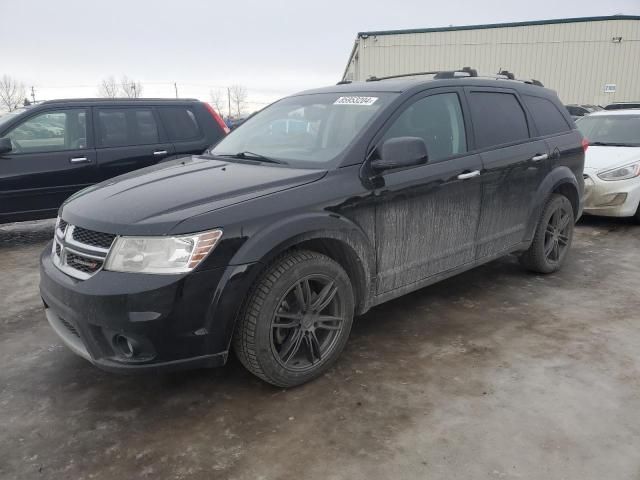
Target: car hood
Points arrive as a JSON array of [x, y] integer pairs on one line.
[[153, 200], [599, 157]]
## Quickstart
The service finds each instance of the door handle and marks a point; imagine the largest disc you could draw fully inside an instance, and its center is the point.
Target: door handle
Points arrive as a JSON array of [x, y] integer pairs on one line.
[[465, 176], [79, 160], [539, 158], [159, 153]]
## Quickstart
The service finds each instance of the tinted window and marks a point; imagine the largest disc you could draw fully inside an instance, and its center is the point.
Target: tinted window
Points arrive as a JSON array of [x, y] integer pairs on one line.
[[118, 127], [180, 123], [546, 116], [577, 111], [498, 118], [48, 132], [438, 120]]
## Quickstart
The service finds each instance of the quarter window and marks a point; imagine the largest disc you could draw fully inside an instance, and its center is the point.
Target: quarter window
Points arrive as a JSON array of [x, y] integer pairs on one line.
[[546, 116], [498, 119], [127, 127], [50, 132], [180, 123], [437, 119]]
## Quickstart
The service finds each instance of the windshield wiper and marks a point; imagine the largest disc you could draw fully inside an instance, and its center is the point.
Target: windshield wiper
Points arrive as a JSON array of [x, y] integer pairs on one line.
[[613, 144], [246, 155]]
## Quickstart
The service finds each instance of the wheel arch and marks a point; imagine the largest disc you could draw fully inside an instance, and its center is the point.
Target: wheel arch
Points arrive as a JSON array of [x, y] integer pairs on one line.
[[332, 235], [560, 180]]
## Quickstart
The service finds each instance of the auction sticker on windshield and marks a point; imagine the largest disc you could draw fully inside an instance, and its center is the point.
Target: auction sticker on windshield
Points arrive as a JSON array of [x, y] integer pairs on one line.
[[355, 101]]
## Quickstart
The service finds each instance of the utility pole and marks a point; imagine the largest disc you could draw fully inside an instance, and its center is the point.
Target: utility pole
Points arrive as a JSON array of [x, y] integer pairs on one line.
[[33, 94], [175, 85], [229, 98]]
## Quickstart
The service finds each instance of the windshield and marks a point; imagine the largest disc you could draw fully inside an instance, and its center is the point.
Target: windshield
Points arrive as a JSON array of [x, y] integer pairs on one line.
[[304, 131], [5, 117], [611, 129]]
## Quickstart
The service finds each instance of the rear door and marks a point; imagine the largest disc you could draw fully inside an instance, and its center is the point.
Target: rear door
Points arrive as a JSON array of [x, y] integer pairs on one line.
[[52, 158], [514, 166], [128, 138]]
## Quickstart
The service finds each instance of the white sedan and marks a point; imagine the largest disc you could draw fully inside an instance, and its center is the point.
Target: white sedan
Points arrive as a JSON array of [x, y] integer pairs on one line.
[[612, 163]]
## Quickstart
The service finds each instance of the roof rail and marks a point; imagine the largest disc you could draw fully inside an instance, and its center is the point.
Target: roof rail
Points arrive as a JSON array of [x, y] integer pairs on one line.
[[464, 72], [438, 74], [61, 100]]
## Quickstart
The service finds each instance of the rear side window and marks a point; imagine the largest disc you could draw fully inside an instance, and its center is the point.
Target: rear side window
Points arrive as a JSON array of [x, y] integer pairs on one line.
[[180, 123], [120, 127], [498, 119], [546, 115]]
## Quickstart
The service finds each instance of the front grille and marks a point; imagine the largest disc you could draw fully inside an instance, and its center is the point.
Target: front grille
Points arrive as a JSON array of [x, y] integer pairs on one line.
[[62, 225], [95, 239], [83, 264], [70, 327], [78, 252]]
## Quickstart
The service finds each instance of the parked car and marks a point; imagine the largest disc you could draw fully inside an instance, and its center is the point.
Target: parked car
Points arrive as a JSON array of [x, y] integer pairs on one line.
[[612, 163], [622, 105], [270, 243], [55, 148], [577, 111]]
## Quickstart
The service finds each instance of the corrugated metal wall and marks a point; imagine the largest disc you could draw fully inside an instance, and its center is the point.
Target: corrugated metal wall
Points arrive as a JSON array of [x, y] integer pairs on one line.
[[575, 59]]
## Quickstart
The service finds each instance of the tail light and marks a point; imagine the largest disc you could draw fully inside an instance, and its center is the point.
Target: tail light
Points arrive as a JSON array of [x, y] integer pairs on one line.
[[217, 118], [585, 144]]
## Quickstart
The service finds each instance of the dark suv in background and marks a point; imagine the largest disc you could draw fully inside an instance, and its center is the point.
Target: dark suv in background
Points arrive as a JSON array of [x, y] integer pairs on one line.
[[316, 209], [52, 150]]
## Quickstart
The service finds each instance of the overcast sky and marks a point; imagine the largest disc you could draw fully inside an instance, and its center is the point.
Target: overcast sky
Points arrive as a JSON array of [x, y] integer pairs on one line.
[[273, 47]]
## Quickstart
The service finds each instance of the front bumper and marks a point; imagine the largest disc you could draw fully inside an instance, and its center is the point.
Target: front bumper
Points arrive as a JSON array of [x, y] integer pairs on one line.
[[173, 321], [619, 198]]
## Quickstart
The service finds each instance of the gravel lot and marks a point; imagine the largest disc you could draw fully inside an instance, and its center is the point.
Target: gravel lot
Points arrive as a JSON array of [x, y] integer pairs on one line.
[[496, 373]]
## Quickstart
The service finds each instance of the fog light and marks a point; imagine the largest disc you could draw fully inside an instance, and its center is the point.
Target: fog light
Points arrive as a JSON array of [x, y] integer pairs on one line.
[[613, 200], [125, 346]]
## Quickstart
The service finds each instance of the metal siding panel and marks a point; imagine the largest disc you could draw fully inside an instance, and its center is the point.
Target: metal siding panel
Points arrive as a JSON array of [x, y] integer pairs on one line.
[[575, 59]]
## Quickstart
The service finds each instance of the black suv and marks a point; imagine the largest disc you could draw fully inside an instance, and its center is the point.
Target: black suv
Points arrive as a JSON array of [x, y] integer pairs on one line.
[[319, 207], [56, 148]]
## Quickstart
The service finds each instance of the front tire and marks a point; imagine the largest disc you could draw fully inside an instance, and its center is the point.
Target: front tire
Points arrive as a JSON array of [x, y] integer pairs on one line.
[[552, 238], [296, 320]]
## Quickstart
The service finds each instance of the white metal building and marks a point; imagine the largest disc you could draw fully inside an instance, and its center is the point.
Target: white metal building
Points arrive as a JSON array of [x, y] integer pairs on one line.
[[592, 60]]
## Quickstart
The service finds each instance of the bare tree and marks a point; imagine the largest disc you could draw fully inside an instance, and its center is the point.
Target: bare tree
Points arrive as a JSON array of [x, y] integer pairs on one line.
[[129, 88], [12, 93], [108, 88], [238, 98], [218, 100]]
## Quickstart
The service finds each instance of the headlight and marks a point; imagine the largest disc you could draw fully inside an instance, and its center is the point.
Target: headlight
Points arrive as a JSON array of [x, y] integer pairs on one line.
[[161, 254], [621, 173]]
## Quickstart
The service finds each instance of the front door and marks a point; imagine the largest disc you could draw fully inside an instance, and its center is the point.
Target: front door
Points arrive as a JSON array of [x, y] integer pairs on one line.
[[51, 159], [427, 216]]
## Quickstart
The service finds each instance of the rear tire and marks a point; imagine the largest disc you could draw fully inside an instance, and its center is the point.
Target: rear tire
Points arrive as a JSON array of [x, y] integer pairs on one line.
[[552, 238], [296, 320]]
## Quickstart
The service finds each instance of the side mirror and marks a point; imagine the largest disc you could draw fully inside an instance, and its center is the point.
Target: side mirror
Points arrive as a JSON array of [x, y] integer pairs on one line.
[[401, 152], [5, 145]]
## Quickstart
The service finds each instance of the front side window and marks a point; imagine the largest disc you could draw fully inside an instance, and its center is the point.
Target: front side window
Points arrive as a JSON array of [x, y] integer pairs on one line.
[[51, 131], [436, 119], [498, 119], [614, 130], [546, 116], [120, 127], [306, 130]]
